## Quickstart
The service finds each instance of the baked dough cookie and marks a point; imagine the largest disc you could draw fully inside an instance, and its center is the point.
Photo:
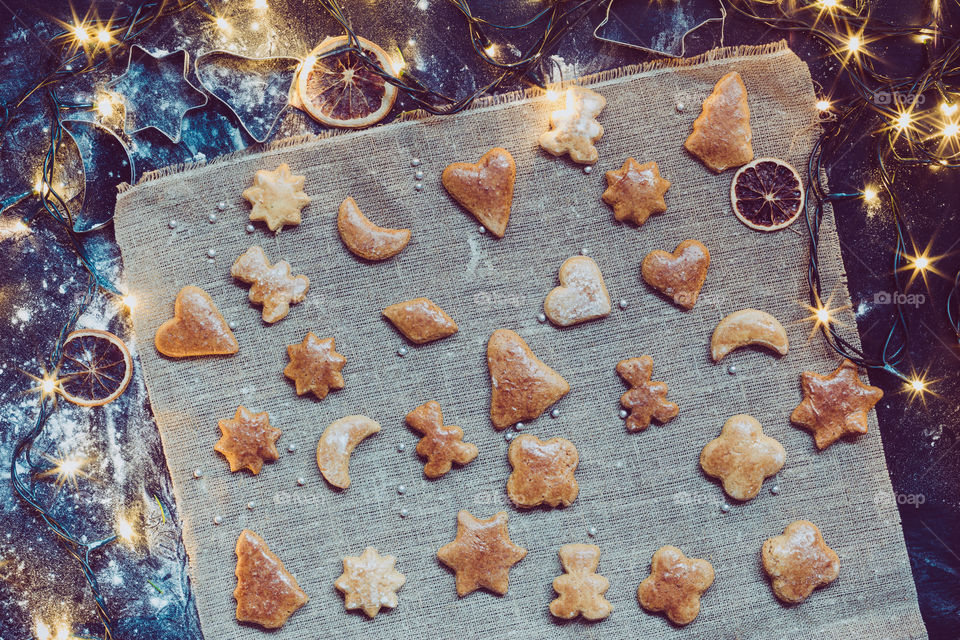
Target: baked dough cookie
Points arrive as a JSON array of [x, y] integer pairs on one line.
[[522, 386], [196, 329], [721, 135], [580, 588], [336, 444], [482, 553], [365, 239], [420, 320], [581, 296], [836, 405], [369, 582], [574, 129], [485, 189], [799, 561], [441, 444], [675, 585], [270, 285], [742, 457], [267, 594], [646, 399], [679, 275], [277, 197], [542, 472], [748, 327], [315, 366], [635, 191], [248, 440]]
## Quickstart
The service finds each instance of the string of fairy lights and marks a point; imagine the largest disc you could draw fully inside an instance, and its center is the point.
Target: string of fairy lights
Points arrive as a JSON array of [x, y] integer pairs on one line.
[[907, 135]]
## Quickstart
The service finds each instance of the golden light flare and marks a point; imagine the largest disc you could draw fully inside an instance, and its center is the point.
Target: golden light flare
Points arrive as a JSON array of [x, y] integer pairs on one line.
[[490, 49], [80, 34], [552, 95], [260, 4], [918, 386], [103, 36], [823, 105], [66, 470], [125, 530], [221, 23], [920, 264], [129, 301], [823, 315], [870, 194], [47, 384], [948, 109]]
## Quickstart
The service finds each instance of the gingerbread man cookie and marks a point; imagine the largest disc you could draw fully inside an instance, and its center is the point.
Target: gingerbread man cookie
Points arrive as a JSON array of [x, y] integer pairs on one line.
[[646, 399], [742, 457], [799, 561], [675, 585], [574, 129], [679, 275], [835, 406], [315, 366], [248, 440], [580, 589], [196, 329], [721, 136], [581, 296], [267, 594], [369, 582], [485, 189], [542, 472], [277, 197], [420, 320], [522, 386], [482, 553], [271, 285], [441, 444], [635, 191]]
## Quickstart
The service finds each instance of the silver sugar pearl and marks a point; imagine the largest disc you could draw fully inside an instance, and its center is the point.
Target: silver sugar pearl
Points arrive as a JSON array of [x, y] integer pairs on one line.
[[592, 531], [232, 324], [680, 107], [482, 229], [301, 481], [402, 351], [418, 175], [251, 505], [404, 512], [401, 447], [775, 489], [251, 228], [212, 218], [197, 473], [623, 304], [584, 251], [172, 224], [211, 253], [623, 414], [725, 507], [291, 447], [732, 369], [555, 413], [415, 162], [541, 318], [217, 520], [418, 186], [508, 436], [401, 489], [588, 169], [519, 426], [222, 205]]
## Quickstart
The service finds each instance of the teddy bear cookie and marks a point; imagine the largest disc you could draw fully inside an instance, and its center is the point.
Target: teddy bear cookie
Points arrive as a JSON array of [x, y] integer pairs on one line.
[[336, 444], [315, 366], [799, 561], [270, 285], [196, 328], [277, 197], [675, 585], [581, 296], [635, 191], [441, 444], [522, 386], [580, 589], [420, 320], [836, 405], [482, 553], [742, 457], [485, 189], [679, 275], [647, 399], [574, 130], [248, 440], [721, 136], [365, 239], [267, 594], [542, 472], [369, 582]]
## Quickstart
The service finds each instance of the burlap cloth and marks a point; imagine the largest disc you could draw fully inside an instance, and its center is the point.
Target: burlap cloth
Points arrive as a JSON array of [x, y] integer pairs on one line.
[[640, 491]]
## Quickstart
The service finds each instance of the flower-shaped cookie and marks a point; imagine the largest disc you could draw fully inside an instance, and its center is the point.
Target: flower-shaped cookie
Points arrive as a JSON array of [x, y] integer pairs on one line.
[[635, 191], [675, 585], [574, 129], [542, 471], [248, 440], [441, 444], [277, 197], [742, 457], [721, 135], [369, 582], [836, 405], [646, 399], [580, 589], [196, 328], [799, 561], [581, 296], [271, 285], [482, 553], [522, 386], [315, 366], [267, 594]]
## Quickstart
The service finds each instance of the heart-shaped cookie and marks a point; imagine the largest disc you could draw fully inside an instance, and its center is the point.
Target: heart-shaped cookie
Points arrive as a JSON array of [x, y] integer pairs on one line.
[[485, 189], [581, 296], [679, 275], [196, 328]]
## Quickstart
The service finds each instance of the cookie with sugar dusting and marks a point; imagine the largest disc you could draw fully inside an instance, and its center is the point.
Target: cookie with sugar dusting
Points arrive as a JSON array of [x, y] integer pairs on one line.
[[574, 130], [277, 197], [272, 286]]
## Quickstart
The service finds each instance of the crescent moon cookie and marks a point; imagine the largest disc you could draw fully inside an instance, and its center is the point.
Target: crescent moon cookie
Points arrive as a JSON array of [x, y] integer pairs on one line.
[[482, 553], [485, 189], [271, 285], [581, 296], [420, 320], [267, 594], [248, 440], [336, 444], [277, 197], [196, 329], [635, 191], [646, 399], [580, 588], [574, 129], [542, 472], [522, 386], [369, 582], [315, 366], [748, 327], [679, 275], [441, 444], [721, 135], [836, 405], [798, 562], [675, 585], [365, 239], [742, 457]]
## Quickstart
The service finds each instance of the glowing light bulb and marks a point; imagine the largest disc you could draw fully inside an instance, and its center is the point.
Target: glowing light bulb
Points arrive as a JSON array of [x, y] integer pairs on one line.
[[222, 24], [948, 109], [105, 107], [490, 49], [552, 95], [823, 105], [104, 36], [260, 4], [918, 385], [903, 120], [63, 632], [80, 33], [20, 227], [823, 315], [951, 130], [854, 44], [48, 385], [41, 630], [40, 187], [398, 65], [921, 263], [869, 194], [125, 530], [129, 301], [829, 4]]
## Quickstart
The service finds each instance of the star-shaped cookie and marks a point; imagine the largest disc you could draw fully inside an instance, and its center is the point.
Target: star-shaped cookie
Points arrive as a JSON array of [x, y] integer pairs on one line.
[[635, 191], [675, 585], [369, 582], [799, 561], [315, 366], [442, 444], [836, 405], [248, 440], [580, 588], [742, 457], [277, 197], [482, 553], [646, 399], [267, 594]]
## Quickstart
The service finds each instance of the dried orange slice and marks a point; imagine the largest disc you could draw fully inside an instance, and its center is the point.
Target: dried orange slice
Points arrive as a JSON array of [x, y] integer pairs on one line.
[[95, 368], [341, 90], [767, 194]]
